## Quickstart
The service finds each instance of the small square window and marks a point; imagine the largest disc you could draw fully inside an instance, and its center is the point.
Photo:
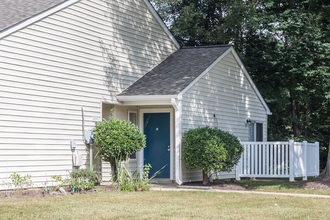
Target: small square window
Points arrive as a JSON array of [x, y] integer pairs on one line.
[[256, 131]]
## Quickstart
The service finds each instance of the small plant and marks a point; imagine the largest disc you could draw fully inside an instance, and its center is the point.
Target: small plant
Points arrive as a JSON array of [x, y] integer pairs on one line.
[[20, 182], [91, 175], [57, 179], [83, 179], [100, 189], [124, 181]]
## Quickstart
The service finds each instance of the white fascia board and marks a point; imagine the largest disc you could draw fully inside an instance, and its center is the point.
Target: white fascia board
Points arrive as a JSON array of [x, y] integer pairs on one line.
[[145, 97], [203, 73], [162, 24], [36, 18], [247, 75]]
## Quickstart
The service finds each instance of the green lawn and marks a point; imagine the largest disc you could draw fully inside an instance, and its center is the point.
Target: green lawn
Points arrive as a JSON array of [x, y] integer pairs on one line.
[[282, 186], [167, 205]]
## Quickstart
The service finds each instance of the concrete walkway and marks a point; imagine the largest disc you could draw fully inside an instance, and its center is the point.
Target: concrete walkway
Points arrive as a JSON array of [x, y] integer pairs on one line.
[[175, 187]]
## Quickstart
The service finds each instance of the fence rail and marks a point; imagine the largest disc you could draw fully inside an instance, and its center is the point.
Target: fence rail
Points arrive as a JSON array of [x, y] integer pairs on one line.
[[279, 160]]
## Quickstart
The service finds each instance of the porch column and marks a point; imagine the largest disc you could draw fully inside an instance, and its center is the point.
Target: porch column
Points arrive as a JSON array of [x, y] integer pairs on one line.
[[178, 111]]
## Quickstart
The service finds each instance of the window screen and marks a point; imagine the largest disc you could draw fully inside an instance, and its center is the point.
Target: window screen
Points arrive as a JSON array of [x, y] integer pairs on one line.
[[251, 132], [259, 132]]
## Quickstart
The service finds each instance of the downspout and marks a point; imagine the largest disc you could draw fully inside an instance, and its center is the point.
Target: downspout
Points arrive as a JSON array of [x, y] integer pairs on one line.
[[178, 111]]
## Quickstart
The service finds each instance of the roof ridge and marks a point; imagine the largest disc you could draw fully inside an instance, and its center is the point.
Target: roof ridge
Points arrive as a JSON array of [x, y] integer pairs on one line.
[[209, 46]]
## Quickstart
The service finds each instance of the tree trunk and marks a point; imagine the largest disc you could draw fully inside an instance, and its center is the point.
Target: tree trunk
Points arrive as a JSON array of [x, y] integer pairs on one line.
[[326, 172], [295, 127], [205, 178], [113, 167]]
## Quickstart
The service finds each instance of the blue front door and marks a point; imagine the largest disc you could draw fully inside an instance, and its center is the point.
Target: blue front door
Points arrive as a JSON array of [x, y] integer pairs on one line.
[[157, 151]]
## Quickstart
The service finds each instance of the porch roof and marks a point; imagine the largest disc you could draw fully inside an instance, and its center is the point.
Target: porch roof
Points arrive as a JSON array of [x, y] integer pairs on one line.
[[176, 72]]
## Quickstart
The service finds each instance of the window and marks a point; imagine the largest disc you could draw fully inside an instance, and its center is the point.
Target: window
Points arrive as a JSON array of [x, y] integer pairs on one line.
[[256, 131], [132, 118]]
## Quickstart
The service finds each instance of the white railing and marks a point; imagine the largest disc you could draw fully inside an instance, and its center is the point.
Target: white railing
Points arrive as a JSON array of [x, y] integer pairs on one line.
[[279, 160]]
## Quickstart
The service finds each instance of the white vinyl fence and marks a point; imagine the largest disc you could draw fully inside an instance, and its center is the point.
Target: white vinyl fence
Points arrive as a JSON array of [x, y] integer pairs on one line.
[[279, 160]]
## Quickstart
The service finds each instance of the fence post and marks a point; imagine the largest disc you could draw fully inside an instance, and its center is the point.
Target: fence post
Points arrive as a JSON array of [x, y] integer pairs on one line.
[[304, 144], [317, 144], [238, 171], [291, 148]]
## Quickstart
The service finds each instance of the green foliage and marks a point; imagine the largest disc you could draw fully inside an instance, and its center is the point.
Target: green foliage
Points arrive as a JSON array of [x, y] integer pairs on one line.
[[285, 47], [92, 176], [19, 182], [100, 189], [57, 179], [209, 22], [210, 149], [124, 181], [80, 179], [116, 139]]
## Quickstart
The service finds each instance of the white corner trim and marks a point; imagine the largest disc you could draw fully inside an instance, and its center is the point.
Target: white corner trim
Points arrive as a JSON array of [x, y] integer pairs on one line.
[[177, 124], [203, 73], [175, 106], [160, 21], [36, 18], [247, 75]]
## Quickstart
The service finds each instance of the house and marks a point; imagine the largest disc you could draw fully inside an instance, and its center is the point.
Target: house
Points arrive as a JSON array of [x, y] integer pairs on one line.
[[57, 56]]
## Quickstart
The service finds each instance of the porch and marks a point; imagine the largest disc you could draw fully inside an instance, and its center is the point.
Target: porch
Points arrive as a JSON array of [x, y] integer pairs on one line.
[[279, 160]]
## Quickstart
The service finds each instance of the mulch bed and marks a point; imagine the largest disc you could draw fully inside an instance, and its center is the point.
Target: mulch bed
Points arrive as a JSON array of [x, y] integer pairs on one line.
[[53, 192], [316, 183]]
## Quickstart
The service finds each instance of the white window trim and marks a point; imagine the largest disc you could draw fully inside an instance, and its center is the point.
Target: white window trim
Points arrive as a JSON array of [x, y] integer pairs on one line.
[[140, 154], [128, 119], [255, 130]]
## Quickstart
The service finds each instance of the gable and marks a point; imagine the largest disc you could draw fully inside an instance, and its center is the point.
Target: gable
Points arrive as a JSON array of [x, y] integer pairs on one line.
[[20, 14], [233, 57], [176, 72], [224, 98]]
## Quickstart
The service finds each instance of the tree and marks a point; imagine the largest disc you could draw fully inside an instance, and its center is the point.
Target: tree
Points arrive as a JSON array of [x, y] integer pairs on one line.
[[212, 22], [117, 139], [210, 149]]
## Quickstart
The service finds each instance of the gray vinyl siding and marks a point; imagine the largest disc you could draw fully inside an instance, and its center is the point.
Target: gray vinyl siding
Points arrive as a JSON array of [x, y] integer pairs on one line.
[[77, 57], [225, 92]]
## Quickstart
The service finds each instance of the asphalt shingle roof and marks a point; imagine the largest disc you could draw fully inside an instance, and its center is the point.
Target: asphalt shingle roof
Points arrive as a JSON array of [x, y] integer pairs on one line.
[[176, 72], [13, 12]]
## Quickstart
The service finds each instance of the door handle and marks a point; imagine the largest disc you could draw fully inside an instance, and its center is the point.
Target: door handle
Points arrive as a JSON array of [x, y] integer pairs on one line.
[[168, 149]]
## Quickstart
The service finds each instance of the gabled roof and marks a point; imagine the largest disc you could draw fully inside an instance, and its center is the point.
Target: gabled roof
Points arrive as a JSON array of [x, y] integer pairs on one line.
[[17, 14], [15, 11], [176, 72], [179, 72]]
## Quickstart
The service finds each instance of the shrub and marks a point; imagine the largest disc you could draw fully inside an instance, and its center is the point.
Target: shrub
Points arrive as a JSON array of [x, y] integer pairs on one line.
[[19, 182], [124, 181], [116, 139], [91, 175], [210, 149], [80, 179]]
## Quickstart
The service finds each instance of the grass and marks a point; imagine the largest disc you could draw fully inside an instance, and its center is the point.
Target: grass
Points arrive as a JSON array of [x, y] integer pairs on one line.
[[282, 186], [167, 205]]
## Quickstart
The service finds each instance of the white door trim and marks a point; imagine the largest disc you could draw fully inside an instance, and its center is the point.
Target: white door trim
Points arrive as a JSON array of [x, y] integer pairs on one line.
[[140, 154]]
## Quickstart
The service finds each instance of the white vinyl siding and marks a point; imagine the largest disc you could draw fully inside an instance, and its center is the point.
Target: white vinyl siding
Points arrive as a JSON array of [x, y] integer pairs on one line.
[[225, 92], [77, 57]]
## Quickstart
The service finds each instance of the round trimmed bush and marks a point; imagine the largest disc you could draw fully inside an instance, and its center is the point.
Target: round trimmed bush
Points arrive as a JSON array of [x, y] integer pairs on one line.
[[117, 139], [210, 149]]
